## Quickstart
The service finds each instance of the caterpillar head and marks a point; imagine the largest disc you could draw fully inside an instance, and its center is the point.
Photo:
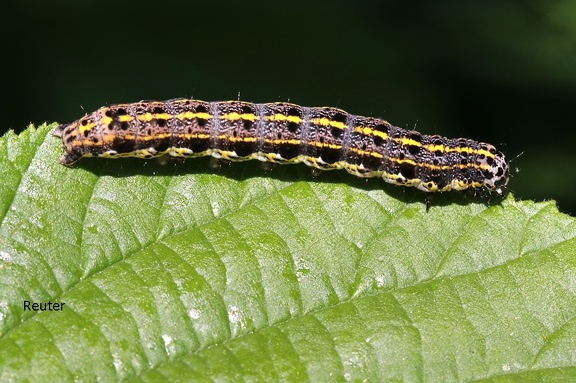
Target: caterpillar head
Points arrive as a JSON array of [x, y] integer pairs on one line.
[[496, 178]]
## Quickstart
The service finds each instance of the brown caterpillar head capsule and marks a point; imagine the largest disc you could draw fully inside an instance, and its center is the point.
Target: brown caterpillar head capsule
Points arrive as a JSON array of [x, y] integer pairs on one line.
[[113, 132], [83, 138], [71, 143]]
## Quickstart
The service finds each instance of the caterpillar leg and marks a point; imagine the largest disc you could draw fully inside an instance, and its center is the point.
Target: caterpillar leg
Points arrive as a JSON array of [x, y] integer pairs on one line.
[[428, 201]]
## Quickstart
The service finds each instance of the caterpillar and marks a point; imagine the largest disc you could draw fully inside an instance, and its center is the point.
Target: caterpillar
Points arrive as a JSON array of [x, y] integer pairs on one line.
[[322, 137]]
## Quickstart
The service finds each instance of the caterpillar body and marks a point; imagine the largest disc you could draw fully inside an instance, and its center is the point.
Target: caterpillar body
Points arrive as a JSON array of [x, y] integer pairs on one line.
[[322, 137]]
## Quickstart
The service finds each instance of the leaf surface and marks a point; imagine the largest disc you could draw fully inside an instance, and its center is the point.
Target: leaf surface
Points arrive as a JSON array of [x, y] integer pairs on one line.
[[176, 272]]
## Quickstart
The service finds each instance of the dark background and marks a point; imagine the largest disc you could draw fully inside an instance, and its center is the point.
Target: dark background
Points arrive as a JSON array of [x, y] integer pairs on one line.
[[502, 72]]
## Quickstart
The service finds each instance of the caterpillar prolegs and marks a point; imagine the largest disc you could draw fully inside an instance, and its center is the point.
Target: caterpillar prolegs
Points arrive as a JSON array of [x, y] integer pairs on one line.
[[322, 137]]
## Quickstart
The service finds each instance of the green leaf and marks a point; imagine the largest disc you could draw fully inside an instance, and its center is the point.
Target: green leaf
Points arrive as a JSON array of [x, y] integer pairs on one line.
[[176, 272]]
